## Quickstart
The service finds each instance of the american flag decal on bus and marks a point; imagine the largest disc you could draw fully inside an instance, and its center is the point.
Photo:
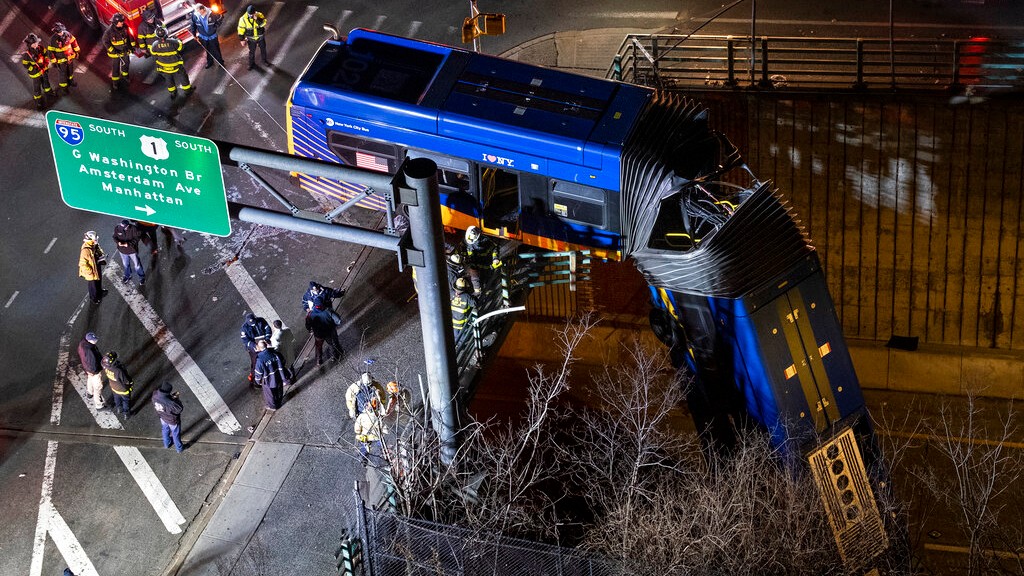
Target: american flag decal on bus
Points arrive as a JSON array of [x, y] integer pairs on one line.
[[371, 162]]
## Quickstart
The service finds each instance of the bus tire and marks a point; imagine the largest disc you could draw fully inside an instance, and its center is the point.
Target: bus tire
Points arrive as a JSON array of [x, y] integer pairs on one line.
[[662, 326]]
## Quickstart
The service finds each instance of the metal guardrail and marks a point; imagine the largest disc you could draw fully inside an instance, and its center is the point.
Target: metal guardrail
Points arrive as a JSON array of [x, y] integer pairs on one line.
[[671, 60]]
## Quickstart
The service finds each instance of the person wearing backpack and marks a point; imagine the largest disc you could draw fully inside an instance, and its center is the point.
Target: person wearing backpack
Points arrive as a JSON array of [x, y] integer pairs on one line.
[[360, 394]]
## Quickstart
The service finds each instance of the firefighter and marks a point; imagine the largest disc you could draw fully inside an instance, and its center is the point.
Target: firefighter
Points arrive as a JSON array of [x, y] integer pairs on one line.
[[169, 63], [63, 53], [480, 252], [119, 45], [120, 381], [252, 29], [462, 306], [36, 63], [146, 33]]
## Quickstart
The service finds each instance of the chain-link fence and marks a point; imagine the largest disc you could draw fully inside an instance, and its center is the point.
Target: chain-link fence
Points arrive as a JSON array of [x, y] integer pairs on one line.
[[400, 546]]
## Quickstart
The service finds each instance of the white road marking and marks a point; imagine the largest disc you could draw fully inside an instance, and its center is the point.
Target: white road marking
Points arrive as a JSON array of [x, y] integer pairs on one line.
[[246, 286], [183, 363], [414, 27], [152, 488], [50, 521], [50, 245], [7, 21], [280, 52], [11, 299], [197, 68], [91, 57], [236, 68], [64, 367], [21, 117], [629, 15], [345, 15]]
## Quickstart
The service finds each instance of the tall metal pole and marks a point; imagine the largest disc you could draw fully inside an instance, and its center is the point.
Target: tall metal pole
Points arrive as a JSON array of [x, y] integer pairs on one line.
[[435, 304], [473, 13]]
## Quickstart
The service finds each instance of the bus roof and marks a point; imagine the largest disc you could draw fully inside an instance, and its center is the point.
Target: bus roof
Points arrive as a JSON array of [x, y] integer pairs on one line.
[[430, 90]]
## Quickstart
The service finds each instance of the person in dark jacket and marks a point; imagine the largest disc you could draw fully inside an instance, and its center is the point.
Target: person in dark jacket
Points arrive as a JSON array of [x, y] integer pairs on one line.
[[36, 61], [204, 26], [64, 51], [255, 329], [120, 383], [170, 65], [119, 45], [127, 236], [271, 374], [320, 295], [168, 407], [321, 323], [92, 363], [146, 34]]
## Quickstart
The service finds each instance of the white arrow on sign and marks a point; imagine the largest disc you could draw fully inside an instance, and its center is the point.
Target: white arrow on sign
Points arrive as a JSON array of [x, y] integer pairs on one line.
[[149, 211]]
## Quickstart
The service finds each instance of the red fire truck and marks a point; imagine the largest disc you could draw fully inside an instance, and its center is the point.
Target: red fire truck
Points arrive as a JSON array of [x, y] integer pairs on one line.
[[174, 13]]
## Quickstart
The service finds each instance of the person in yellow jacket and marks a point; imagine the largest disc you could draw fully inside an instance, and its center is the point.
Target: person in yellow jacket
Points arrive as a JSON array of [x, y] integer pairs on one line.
[[170, 65], [369, 429], [64, 51], [36, 63], [90, 266], [252, 30]]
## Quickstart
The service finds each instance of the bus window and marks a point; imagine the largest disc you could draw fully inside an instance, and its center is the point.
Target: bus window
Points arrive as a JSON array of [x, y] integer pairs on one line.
[[360, 153], [499, 193], [578, 203]]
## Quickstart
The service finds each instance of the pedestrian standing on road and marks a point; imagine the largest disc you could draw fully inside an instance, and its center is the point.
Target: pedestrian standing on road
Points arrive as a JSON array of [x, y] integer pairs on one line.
[[90, 266], [147, 230], [323, 327], [92, 363], [360, 392], [204, 26], [282, 340], [64, 51], [120, 383], [254, 329], [127, 236], [146, 33], [168, 407], [369, 429], [177, 234], [271, 374], [397, 399], [119, 45], [319, 295], [36, 63], [252, 29]]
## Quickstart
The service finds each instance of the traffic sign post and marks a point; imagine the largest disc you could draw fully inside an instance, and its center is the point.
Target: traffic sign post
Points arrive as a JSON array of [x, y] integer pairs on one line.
[[140, 173]]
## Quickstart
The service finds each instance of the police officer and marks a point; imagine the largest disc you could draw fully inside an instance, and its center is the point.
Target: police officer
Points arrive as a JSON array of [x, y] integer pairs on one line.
[[204, 26], [255, 329], [252, 29], [170, 65], [271, 374], [36, 62], [119, 45], [146, 33], [64, 51], [120, 383]]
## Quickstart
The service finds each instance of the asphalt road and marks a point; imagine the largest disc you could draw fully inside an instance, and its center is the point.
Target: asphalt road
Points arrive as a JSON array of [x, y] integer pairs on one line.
[[81, 484]]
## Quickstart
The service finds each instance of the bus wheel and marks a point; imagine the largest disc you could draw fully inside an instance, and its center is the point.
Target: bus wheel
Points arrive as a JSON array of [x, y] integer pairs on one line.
[[661, 325]]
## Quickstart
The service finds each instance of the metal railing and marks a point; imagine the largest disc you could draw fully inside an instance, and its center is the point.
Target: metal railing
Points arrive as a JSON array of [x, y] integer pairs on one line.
[[671, 61]]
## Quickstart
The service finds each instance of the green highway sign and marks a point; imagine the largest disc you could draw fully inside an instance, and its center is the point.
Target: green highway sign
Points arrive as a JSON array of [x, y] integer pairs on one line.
[[139, 173]]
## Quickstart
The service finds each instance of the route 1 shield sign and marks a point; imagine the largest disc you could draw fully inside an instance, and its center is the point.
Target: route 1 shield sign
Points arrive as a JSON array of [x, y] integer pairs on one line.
[[140, 173]]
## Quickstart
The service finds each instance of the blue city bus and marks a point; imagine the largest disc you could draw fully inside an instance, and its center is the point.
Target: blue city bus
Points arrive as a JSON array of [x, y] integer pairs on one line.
[[566, 162]]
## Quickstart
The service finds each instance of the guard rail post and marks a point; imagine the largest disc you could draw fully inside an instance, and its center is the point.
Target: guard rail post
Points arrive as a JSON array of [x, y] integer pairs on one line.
[[765, 81], [956, 64], [859, 83], [730, 62]]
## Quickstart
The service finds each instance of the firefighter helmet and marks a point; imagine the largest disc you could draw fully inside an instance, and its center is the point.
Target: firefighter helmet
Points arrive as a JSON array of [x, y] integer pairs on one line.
[[117, 19], [111, 356], [393, 387], [472, 234], [149, 14], [31, 39], [59, 28], [161, 32], [460, 284]]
